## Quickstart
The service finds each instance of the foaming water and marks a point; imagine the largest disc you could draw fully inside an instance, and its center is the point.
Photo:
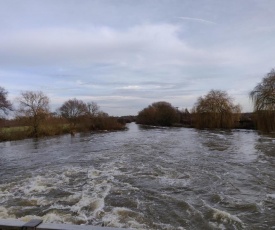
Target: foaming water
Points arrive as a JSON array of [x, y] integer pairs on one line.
[[143, 178]]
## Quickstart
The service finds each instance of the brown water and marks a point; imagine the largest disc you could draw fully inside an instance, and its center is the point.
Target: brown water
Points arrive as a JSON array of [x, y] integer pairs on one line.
[[157, 178]]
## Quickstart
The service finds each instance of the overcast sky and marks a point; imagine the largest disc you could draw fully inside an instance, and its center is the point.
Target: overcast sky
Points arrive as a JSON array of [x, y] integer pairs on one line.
[[126, 54]]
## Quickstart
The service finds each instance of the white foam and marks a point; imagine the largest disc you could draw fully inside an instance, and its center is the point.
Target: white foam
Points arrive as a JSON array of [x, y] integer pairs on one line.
[[52, 217], [167, 226], [72, 198], [123, 218], [270, 196], [173, 181], [93, 173], [57, 206], [217, 226], [220, 136], [36, 184], [224, 216], [4, 213], [90, 196], [86, 202], [219, 214]]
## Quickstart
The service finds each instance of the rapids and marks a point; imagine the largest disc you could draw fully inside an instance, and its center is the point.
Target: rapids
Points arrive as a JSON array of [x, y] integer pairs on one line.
[[144, 178]]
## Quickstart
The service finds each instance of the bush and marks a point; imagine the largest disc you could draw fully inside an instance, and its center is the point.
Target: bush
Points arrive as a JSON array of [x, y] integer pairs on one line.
[[216, 110], [159, 114]]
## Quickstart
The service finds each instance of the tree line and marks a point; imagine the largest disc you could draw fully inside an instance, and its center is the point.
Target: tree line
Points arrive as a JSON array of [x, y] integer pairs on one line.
[[33, 117], [217, 110], [214, 110]]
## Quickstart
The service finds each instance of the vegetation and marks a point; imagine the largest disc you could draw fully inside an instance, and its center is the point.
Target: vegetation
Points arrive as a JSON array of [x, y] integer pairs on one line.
[[34, 106], [34, 119], [263, 98], [159, 114], [87, 117], [52, 125], [14, 133], [20, 128], [102, 121], [5, 104], [73, 110], [216, 110]]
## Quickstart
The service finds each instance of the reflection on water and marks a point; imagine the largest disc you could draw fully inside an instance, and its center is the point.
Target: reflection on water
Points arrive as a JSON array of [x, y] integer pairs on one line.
[[145, 178]]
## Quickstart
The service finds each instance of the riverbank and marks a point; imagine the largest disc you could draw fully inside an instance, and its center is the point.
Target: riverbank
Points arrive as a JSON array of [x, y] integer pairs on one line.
[[13, 131], [111, 124], [246, 121]]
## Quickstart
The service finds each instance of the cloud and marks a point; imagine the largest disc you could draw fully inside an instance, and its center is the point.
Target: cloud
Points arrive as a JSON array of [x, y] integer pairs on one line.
[[141, 47], [129, 67], [131, 87], [197, 20]]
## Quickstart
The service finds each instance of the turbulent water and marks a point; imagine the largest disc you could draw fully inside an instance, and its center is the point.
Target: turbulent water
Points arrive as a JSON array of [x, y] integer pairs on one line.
[[144, 178]]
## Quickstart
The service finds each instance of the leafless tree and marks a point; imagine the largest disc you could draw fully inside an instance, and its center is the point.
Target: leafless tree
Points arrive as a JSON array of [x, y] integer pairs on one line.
[[72, 110], [5, 104], [263, 98], [93, 109], [216, 110], [34, 106]]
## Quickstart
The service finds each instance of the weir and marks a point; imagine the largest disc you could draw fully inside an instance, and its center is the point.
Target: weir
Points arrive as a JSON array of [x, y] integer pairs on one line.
[[39, 225]]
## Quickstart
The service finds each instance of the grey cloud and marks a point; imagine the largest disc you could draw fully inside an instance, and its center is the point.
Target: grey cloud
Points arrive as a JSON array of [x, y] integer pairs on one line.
[[140, 47], [125, 53]]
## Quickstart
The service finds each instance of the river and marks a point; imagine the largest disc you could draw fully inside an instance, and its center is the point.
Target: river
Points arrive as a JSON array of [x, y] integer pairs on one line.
[[144, 178]]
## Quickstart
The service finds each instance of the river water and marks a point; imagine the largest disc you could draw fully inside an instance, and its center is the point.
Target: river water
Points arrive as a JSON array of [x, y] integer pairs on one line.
[[144, 178]]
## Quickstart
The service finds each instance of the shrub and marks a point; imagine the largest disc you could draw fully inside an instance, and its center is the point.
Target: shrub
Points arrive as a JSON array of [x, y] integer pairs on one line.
[[216, 110], [160, 114]]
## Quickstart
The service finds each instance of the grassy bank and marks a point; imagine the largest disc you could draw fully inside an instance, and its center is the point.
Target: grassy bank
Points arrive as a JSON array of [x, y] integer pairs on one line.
[[54, 127]]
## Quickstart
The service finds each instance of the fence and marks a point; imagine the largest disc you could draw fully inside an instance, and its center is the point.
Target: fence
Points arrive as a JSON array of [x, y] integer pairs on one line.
[[38, 225]]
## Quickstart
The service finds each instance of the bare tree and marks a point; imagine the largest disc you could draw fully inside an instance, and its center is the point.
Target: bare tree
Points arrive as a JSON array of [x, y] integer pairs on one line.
[[93, 109], [72, 110], [263, 98], [5, 104], [34, 106], [216, 110]]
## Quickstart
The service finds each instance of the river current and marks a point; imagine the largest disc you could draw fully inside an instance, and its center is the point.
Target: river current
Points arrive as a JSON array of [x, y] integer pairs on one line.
[[142, 178]]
